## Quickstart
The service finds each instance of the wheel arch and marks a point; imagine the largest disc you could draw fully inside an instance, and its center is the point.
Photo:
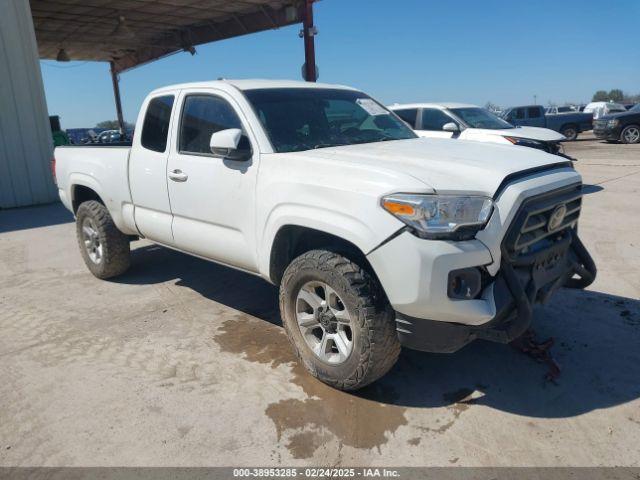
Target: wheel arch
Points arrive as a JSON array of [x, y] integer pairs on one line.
[[82, 193], [293, 240], [570, 124]]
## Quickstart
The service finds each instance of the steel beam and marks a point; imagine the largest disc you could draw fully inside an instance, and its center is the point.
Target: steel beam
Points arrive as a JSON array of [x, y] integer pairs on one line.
[[309, 32], [116, 93]]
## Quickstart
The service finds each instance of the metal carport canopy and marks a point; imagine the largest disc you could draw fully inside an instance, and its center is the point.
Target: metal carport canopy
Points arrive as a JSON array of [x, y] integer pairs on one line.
[[129, 33]]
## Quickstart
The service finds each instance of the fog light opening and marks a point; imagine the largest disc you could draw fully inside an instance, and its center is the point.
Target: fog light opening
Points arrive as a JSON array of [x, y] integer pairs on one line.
[[464, 284]]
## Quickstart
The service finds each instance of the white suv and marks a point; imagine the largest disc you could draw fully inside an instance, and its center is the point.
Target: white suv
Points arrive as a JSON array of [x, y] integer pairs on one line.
[[470, 122]]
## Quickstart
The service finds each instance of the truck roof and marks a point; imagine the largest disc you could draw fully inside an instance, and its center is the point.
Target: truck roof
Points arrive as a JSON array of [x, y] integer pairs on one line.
[[440, 105], [251, 84]]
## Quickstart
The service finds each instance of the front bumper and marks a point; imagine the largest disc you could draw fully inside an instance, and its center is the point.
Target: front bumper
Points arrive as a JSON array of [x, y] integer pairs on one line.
[[604, 132], [414, 274], [515, 290]]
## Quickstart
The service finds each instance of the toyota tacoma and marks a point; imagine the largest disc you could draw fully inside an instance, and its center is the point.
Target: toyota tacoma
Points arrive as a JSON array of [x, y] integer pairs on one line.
[[376, 238]]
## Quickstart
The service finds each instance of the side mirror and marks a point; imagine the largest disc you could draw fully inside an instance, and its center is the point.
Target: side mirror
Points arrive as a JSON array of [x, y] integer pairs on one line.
[[450, 127], [230, 144]]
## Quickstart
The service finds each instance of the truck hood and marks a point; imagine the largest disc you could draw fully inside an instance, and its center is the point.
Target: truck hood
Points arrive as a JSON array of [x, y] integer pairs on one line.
[[533, 133], [445, 165]]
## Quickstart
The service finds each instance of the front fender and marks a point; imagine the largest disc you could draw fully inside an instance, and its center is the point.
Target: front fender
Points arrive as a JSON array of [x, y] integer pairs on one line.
[[366, 235]]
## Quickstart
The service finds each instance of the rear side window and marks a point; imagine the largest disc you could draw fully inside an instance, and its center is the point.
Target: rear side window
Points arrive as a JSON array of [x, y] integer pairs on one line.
[[434, 119], [156, 123], [533, 112], [409, 115], [203, 115]]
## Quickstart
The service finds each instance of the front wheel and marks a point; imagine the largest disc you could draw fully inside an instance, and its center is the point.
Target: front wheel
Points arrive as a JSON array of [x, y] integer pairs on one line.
[[630, 134], [338, 320], [570, 132], [104, 248]]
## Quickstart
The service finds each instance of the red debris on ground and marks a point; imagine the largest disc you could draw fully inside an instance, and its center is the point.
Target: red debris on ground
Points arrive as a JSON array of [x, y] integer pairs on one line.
[[539, 351]]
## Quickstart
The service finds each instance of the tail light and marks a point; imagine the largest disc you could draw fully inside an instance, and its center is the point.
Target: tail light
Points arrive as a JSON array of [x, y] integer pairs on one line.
[[53, 170]]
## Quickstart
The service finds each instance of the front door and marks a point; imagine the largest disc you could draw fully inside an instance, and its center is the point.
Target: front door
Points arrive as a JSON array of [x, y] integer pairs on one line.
[[212, 199], [431, 122]]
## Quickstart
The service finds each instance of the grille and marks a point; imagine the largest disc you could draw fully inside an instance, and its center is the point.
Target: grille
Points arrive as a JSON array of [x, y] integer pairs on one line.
[[530, 230]]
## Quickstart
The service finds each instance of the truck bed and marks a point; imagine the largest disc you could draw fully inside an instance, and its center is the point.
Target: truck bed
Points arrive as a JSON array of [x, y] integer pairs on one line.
[[100, 167]]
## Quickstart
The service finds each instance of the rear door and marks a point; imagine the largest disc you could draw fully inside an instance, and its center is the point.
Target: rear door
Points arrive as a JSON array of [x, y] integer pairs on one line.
[[212, 199], [431, 122], [148, 169]]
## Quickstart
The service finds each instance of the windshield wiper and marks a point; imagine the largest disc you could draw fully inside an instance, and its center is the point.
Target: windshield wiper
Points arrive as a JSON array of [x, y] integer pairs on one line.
[[326, 145]]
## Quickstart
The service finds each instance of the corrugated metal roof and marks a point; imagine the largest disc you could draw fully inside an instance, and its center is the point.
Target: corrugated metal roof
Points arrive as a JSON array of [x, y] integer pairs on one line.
[[133, 32]]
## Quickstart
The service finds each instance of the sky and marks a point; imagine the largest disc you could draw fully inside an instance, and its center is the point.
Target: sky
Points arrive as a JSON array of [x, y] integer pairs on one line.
[[474, 51]]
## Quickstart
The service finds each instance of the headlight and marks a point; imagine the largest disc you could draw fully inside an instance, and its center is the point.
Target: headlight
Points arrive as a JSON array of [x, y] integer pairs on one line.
[[613, 123], [526, 142], [440, 216]]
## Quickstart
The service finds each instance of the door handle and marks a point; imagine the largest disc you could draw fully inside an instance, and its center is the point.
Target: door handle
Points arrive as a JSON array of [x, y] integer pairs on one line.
[[178, 175]]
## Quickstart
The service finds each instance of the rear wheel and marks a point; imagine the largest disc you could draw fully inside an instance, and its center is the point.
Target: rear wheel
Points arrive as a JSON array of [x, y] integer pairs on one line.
[[630, 134], [570, 131], [338, 320], [104, 248]]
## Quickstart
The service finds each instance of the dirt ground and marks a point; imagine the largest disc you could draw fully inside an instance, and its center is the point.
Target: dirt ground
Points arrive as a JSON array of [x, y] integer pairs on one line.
[[182, 362]]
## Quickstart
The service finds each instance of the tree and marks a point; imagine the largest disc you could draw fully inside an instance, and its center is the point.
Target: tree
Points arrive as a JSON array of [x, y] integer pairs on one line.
[[600, 96], [616, 95], [113, 125]]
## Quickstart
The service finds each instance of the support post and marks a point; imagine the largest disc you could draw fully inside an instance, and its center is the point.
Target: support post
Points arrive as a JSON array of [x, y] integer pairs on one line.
[[309, 32], [116, 93]]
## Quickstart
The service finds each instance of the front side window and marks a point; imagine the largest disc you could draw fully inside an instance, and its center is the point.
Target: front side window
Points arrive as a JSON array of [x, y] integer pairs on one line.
[[434, 119], [480, 118], [202, 116], [409, 115], [156, 123], [298, 119]]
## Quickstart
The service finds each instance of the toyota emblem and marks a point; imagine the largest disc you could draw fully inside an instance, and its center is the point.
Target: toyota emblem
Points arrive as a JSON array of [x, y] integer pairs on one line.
[[557, 217]]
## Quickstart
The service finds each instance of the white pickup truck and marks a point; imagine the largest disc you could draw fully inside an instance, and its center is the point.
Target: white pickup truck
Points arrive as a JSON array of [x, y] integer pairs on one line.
[[376, 238]]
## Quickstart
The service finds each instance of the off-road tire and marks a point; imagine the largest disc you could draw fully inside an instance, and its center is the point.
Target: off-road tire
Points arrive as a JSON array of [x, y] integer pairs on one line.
[[115, 244], [375, 342], [571, 132]]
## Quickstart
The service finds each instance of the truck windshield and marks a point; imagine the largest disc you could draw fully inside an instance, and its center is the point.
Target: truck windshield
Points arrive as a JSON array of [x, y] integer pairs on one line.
[[297, 119], [476, 117]]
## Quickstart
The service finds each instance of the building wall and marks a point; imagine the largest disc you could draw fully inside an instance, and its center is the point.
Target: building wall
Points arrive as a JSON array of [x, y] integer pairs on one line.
[[26, 145]]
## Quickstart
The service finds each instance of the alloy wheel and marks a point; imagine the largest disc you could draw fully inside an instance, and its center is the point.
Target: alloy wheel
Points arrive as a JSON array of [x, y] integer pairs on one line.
[[91, 240], [631, 135], [324, 322]]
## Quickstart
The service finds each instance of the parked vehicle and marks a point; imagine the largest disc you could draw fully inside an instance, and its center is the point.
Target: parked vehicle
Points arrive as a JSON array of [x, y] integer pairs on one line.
[[111, 136], [563, 109], [600, 109], [568, 124], [470, 122], [375, 237], [623, 127], [629, 106]]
